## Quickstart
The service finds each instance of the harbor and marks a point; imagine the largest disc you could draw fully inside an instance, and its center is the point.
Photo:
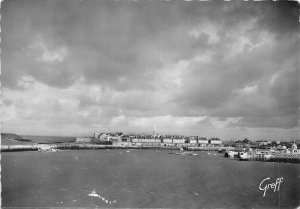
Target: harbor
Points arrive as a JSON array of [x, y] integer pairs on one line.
[[264, 155], [150, 104], [241, 150], [256, 155], [140, 179], [138, 172]]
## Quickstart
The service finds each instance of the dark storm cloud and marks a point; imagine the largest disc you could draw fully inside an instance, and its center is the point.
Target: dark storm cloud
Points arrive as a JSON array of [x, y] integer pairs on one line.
[[288, 121], [7, 102], [109, 40], [206, 123], [232, 50], [286, 89], [212, 84]]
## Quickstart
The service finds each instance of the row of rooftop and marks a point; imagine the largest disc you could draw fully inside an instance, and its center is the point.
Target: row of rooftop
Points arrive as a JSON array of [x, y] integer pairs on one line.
[[119, 137], [152, 136], [263, 144]]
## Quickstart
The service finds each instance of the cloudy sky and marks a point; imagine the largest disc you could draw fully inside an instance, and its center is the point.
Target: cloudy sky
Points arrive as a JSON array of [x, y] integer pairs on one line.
[[223, 69]]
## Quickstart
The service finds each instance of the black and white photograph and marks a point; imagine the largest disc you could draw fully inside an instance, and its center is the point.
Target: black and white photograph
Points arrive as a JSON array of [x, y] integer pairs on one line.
[[150, 104]]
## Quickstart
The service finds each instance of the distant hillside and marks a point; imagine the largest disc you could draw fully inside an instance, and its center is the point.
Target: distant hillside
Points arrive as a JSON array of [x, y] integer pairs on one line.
[[10, 136], [48, 139], [14, 139]]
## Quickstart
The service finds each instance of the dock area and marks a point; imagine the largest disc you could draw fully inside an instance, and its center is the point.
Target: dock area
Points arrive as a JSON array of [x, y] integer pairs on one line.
[[264, 155], [279, 157]]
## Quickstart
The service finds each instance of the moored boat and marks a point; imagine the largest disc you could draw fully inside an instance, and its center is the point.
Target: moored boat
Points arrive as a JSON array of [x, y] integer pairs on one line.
[[243, 156]]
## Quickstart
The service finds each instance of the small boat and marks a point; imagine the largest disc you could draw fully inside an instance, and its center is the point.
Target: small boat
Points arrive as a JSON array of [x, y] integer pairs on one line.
[[93, 194], [243, 156], [232, 154], [195, 154], [46, 149]]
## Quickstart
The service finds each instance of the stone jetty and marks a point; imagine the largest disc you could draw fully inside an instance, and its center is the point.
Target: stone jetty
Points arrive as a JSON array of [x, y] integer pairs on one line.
[[70, 146]]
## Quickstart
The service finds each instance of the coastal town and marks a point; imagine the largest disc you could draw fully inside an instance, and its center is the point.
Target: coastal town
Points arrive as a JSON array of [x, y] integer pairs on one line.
[[246, 149], [142, 139], [272, 150]]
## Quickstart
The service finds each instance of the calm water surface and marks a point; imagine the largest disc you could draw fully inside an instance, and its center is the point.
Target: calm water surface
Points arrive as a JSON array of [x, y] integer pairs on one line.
[[143, 178]]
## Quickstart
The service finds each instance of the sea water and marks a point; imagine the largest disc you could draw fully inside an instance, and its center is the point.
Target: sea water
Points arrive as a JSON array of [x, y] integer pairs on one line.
[[143, 179]]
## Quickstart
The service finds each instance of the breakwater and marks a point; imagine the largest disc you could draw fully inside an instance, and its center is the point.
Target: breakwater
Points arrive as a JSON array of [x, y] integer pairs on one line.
[[206, 148], [277, 157], [16, 148], [285, 159], [72, 146], [280, 158]]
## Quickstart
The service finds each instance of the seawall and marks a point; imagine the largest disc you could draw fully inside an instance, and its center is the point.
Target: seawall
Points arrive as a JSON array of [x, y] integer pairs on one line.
[[16, 148], [206, 148], [281, 157], [70, 146]]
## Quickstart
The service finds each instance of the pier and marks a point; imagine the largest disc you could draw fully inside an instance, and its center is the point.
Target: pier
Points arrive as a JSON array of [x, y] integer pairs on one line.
[[17, 148], [279, 157], [207, 148], [72, 146], [265, 155]]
